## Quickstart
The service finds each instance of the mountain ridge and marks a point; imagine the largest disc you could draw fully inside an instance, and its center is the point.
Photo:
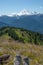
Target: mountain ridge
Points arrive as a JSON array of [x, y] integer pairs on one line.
[[29, 22], [22, 35], [22, 12]]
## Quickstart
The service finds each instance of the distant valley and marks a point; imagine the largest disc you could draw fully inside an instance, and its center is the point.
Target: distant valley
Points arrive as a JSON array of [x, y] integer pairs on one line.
[[32, 22]]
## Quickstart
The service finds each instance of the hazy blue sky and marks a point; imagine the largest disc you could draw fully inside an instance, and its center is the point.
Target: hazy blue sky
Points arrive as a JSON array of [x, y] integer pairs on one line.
[[11, 6]]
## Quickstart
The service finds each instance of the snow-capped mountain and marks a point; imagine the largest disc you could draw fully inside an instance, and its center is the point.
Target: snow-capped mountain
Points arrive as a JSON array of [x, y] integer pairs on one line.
[[24, 19], [23, 12]]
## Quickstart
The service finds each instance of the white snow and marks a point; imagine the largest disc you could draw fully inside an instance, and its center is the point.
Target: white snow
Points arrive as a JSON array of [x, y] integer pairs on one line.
[[23, 12]]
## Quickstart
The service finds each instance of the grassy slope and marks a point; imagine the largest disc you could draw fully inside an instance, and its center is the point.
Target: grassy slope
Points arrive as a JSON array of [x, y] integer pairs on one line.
[[12, 47], [9, 46]]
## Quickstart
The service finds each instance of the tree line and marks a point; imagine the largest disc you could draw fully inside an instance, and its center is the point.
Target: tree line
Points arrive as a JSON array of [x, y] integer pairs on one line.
[[23, 35]]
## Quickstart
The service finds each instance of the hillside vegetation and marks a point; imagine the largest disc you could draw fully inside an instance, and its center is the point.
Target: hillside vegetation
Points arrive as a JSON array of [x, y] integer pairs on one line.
[[22, 35], [13, 48], [15, 41]]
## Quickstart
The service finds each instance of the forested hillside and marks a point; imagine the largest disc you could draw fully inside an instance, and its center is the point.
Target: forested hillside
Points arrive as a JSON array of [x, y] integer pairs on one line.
[[22, 35]]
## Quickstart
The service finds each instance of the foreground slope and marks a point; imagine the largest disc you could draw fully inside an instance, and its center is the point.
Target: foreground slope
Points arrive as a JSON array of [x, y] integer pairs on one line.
[[15, 41], [9, 46]]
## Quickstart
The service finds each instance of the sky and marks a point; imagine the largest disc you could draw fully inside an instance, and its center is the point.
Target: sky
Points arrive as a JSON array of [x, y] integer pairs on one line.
[[11, 6]]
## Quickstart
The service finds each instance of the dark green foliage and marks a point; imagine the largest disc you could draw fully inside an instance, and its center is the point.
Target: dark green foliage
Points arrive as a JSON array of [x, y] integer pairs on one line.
[[35, 39], [23, 35]]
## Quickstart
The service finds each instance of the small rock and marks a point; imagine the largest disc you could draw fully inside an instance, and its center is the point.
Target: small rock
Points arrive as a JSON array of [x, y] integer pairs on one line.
[[26, 61], [18, 60]]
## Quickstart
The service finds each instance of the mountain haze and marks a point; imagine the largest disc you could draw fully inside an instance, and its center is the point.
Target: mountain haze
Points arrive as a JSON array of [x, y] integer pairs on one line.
[[24, 19]]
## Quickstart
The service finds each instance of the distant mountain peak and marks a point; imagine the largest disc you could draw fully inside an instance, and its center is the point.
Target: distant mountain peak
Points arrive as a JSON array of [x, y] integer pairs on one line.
[[23, 12]]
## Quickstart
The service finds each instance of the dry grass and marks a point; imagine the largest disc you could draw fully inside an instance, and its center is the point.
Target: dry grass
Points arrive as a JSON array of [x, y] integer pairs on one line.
[[9, 46]]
